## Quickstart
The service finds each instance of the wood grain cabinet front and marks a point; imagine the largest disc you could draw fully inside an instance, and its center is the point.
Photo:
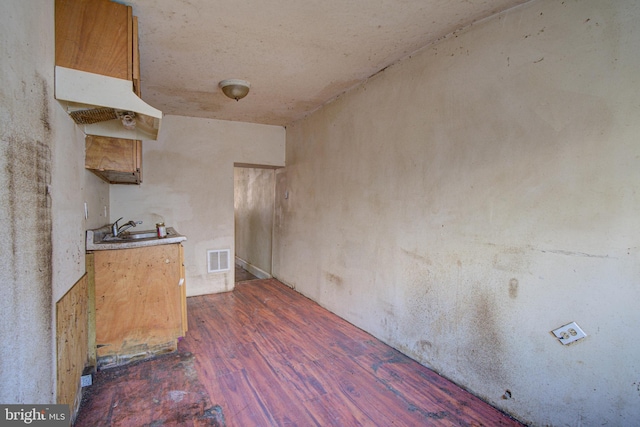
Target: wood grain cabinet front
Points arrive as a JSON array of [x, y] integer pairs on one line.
[[139, 302], [95, 36], [101, 37], [115, 160]]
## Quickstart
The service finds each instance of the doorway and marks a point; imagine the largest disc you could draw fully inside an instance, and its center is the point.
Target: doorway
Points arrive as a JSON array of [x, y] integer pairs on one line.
[[254, 202]]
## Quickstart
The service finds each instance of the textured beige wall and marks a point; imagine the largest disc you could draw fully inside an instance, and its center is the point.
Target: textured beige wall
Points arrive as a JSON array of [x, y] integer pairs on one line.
[[468, 200], [188, 184], [43, 186], [25, 173], [254, 190], [72, 185]]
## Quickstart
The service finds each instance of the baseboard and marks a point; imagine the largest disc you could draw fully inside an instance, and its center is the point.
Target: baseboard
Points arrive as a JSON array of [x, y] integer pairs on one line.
[[256, 271]]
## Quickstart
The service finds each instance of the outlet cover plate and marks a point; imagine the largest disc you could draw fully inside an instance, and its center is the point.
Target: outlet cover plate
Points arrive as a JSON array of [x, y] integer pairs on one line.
[[85, 380], [569, 333]]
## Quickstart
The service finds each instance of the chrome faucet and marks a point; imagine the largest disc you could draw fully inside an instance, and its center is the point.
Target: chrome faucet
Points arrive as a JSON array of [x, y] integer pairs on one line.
[[115, 230]]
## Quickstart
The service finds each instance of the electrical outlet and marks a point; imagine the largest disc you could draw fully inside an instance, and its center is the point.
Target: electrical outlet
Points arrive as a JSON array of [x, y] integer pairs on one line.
[[569, 333], [85, 380]]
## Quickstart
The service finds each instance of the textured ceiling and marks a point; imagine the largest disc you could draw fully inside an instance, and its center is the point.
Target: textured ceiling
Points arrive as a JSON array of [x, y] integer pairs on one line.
[[297, 54]]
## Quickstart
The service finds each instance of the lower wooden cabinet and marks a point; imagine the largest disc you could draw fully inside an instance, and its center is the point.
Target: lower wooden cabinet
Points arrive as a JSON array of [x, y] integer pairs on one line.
[[140, 302], [115, 160]]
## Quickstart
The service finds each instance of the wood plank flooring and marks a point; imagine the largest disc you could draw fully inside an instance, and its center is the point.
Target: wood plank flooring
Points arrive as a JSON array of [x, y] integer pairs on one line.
[[243, 275], [264, 355]]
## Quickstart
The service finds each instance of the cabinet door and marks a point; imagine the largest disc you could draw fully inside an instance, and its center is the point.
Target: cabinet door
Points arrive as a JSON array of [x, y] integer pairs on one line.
[[95, 36], [138, 300], [117, 161]]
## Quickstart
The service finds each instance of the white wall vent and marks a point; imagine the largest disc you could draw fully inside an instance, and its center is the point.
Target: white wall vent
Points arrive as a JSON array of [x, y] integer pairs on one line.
[[218, 260]]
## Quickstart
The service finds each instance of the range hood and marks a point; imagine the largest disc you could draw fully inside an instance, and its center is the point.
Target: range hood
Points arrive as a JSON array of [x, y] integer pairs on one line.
[[105, 106]]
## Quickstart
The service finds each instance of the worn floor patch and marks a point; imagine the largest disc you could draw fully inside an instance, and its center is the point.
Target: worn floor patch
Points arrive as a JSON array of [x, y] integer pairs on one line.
[[164, 391]]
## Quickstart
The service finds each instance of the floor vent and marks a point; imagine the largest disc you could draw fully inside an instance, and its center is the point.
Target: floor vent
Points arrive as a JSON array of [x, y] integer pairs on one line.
[[218, 260]]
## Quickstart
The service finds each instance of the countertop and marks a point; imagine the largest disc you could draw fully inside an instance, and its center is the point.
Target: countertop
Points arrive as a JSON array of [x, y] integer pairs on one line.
[[95, 240]]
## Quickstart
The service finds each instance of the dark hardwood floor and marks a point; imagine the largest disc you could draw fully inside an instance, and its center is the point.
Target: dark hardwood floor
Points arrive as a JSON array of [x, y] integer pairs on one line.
[[264, 355], [243, 275]]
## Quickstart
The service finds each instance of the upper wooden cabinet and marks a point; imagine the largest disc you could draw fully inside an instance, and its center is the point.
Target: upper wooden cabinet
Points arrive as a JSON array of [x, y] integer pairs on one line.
[[115, 160], [97, 77], [101, 37], [96, 36]]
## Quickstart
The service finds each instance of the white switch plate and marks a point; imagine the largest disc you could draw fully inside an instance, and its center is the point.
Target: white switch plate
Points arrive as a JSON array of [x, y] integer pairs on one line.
[[568, 334], [86, 380]]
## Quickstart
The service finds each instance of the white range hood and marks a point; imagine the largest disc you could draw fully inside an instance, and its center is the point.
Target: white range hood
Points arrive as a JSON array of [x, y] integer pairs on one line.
[[106, 106]]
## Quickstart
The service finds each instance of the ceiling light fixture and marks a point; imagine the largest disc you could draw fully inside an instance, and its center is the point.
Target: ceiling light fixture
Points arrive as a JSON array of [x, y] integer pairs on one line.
[[235, 88]]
